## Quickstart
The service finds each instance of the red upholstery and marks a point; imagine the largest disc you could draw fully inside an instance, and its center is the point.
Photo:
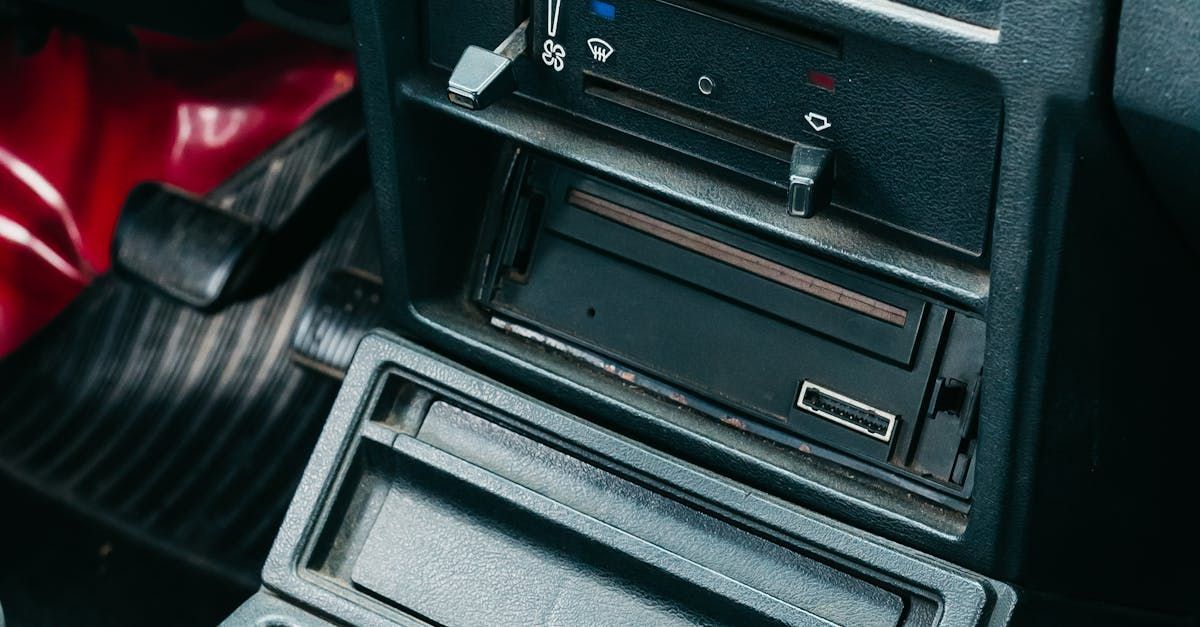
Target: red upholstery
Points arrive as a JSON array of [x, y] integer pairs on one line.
[[82, 122]]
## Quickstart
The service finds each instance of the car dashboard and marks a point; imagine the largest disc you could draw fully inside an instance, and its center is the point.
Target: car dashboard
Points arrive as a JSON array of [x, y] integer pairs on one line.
[[855, 312]]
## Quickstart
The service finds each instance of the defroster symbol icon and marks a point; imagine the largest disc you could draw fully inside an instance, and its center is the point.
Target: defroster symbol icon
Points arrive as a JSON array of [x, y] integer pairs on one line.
[[601, 50]]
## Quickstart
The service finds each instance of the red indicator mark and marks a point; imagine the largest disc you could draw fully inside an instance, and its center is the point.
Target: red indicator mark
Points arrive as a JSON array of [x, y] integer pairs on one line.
[[822, 80]]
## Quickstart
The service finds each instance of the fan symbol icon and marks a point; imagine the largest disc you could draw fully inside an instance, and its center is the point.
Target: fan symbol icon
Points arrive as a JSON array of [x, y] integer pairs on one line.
[[553, 54]]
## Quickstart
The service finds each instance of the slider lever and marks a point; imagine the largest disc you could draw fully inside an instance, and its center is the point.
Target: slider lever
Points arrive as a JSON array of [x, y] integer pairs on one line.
[[482, 76], [810, 180]]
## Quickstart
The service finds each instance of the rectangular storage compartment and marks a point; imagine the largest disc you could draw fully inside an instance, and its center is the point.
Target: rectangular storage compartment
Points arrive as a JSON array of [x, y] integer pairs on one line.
[[435, 494], [572, 544]]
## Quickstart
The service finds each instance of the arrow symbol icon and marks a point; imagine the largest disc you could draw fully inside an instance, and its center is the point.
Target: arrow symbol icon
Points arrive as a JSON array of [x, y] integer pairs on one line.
[[817, 121]]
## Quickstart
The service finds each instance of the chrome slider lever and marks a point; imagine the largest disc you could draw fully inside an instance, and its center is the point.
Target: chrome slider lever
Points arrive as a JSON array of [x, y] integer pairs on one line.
[[810, 180], [483, 76]]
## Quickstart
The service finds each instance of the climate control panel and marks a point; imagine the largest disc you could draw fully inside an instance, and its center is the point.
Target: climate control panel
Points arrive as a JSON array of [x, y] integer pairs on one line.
[[911, 140]]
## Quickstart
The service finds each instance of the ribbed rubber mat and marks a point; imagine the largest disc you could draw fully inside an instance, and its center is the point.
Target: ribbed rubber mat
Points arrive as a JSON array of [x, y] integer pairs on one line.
[[188, 431]]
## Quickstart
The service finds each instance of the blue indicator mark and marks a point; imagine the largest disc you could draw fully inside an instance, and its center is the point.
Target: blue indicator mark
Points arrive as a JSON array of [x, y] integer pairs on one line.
[[606, 10]]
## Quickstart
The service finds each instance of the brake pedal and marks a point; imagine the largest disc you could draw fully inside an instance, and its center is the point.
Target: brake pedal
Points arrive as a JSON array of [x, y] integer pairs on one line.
[[207, 257]]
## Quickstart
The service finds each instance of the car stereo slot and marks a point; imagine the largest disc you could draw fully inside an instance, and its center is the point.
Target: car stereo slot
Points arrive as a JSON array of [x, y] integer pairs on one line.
[[825, 290], [688, 117], [782, 345]]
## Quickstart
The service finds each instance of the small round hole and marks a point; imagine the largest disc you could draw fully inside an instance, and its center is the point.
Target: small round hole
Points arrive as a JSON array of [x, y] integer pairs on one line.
[[591, 312]]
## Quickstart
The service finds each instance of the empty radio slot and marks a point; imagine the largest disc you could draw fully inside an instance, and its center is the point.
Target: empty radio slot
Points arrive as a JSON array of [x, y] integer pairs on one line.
[[770, 341], [688, 117], [765, 268]]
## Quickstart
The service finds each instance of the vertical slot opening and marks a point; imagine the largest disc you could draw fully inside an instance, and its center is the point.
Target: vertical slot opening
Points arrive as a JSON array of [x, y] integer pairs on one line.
[[530, 225]]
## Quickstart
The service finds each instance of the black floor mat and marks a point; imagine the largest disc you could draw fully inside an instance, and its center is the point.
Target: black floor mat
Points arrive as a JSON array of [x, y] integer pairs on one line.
[[187, 432], [57, 568]]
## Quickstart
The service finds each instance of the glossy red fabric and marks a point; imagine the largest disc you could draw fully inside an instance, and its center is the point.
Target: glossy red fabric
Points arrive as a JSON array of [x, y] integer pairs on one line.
[[82, 122]]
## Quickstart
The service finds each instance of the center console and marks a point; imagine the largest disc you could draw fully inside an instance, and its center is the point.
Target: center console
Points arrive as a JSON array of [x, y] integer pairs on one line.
[[439, 494], [686, 285]]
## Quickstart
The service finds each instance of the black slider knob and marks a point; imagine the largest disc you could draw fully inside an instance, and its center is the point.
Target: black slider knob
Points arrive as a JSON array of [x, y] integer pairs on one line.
[[810, 180], [483, 76]]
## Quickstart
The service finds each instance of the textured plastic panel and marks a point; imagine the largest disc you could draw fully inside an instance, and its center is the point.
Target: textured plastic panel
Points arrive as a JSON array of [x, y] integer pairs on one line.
[[500, 554], [914, 137], [981, 12], [661, 521], [433, 489], [1157, 92], [483, 23]]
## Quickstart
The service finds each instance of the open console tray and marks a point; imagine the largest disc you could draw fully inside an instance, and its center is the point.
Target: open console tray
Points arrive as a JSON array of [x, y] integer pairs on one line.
[[437, 495]]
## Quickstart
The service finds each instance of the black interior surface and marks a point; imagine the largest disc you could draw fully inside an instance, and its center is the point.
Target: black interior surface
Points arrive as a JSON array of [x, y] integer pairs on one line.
[[718, 312], [1070, 278], [62, 569]]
